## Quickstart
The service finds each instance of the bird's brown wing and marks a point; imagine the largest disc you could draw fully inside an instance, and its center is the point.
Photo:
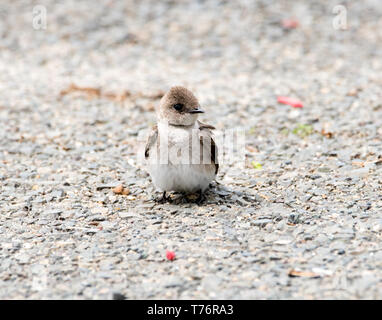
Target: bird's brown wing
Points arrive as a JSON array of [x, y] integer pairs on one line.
[[151, 140], [206, 139], [205, 126]]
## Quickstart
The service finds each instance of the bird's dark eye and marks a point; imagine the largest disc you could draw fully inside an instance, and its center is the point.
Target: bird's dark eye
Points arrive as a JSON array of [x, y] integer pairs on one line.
[[178, 106]]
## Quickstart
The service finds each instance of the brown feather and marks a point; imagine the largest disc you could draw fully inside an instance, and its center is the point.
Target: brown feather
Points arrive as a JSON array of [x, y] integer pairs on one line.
[[205, 126], [151, 140], [207, 133]]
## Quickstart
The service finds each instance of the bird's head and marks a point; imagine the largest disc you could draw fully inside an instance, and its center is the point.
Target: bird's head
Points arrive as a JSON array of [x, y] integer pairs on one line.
[[179, 107]]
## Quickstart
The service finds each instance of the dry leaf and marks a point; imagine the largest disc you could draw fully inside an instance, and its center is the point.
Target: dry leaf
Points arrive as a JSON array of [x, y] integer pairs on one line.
[[90, 92], [157, 95], [327, 134], [119, 97], [307, 274]]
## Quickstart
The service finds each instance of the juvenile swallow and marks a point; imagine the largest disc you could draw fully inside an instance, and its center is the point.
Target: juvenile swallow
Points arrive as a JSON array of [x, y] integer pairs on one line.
[[180, 150]]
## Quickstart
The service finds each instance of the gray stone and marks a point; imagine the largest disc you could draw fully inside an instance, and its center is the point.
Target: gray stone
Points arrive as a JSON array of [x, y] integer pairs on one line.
[[261, 222]]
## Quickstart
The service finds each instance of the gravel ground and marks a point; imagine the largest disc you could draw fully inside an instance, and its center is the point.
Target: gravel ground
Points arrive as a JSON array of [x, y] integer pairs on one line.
[[76, 98]]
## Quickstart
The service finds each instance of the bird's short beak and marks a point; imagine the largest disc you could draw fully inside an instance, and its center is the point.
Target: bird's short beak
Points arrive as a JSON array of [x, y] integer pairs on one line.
[[196, 111]]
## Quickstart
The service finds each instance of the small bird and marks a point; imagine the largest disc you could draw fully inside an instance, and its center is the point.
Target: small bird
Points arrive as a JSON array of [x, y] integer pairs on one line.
[[180, 150]]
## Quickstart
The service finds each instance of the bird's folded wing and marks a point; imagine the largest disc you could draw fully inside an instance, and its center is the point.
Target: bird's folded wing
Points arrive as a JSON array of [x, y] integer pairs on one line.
[[208, 144], [205, 126], [151, 140]]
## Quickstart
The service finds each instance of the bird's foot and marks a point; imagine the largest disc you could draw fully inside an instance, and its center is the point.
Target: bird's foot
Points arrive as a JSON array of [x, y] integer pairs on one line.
[[201, 198], [163, 198]]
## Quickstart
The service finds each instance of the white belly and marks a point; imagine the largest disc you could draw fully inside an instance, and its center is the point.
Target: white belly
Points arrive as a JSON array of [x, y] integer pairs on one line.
[[182, 177]]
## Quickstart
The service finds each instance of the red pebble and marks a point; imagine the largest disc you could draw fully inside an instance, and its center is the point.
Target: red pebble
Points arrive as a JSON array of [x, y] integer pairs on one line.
[[290, 101], [170, 255], [289, 24]]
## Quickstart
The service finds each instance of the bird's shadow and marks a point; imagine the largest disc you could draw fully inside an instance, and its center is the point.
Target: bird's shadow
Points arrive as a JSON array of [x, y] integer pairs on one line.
[[216, 194]]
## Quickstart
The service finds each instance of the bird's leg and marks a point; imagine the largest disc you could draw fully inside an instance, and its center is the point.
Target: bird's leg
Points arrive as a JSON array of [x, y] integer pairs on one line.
[[201, 197], [163, 199]]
